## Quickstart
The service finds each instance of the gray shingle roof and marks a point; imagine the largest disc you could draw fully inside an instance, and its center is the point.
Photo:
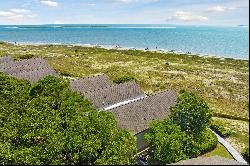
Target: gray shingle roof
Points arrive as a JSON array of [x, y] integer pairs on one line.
[[215, 160], [5, 59], [137, 115], [24, 65], [83, 85], [108, 96], [30, 69], [35, 75]]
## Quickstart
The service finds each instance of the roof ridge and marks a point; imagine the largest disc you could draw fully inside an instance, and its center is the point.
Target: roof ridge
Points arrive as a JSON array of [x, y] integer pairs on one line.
[[157, 93]]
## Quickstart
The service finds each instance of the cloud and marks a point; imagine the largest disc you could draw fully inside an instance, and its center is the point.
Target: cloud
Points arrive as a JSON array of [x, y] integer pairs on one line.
[[186, 16], [20, 11], [220, 9], [17, 14], [49, 3]]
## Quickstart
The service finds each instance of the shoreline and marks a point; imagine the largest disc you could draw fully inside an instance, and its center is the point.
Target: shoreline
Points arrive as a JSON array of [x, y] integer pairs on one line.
[[122, 48]]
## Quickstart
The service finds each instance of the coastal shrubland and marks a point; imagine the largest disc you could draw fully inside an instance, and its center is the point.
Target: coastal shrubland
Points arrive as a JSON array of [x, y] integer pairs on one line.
[[184, 133], [123, 79], [47, 123], [222, 82]]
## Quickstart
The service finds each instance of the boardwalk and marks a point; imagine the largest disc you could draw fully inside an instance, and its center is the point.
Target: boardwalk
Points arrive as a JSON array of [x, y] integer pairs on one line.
[[236, 155]]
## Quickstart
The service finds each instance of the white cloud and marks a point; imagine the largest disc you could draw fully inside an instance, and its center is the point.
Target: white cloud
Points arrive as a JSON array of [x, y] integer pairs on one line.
[[220, 9], [49, 3], [16, 14], [20, 11], [186, 16]]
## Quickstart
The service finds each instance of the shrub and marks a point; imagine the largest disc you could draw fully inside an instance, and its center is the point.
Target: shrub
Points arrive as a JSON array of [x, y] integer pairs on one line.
[[25, 56], [191, 113], [220, 129], [165, 140], [245, 154], [123, 79], [45, 123], [205, 143], [184, 133], [65, 73]]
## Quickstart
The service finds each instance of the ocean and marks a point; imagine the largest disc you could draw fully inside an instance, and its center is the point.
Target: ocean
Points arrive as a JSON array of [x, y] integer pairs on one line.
[[230, 42]]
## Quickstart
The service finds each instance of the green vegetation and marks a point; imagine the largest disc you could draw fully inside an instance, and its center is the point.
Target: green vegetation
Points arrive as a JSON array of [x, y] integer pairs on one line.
[[47, 123], [165, 140], [220, 128], [222, 82], [181, 135], [123, 79], [26, 56], [191, 113], [239, 132], [245, 154], [220, 150]]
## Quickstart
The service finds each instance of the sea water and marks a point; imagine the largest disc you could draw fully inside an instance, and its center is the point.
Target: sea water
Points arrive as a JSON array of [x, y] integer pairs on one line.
[[232, 42]]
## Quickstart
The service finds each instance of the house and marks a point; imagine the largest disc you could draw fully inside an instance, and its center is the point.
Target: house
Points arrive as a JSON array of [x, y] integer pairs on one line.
[[104, 94], [136, 116], [32, 69], [132, 109], [107, 97], [83, 85]]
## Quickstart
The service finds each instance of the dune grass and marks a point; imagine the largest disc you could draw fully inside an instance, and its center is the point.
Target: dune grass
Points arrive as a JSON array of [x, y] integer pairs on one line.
[[223, 83]]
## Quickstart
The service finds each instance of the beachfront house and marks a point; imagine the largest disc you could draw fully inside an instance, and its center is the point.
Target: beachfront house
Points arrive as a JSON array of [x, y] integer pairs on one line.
[[132, 109]]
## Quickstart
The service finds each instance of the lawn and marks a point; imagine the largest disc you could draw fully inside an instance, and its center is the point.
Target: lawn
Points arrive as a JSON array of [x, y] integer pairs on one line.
[[220, 150]]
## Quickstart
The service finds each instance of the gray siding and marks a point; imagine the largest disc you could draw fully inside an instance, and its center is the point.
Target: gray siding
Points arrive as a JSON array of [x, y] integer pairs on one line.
[[141, 143]]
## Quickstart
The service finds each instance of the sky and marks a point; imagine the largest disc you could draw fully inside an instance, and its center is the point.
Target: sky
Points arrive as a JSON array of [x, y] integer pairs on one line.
[[178, 12]]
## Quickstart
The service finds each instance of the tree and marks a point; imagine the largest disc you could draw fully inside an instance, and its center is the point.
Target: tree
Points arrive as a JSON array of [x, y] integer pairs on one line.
[[191, 113], [184, 133], [166, 141], [48, 123]]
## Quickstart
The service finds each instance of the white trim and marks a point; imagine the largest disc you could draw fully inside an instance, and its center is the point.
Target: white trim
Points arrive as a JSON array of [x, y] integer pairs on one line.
[[124, 102]]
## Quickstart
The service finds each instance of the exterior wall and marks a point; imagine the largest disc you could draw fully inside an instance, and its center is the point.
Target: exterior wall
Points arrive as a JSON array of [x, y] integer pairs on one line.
[[141, 143]]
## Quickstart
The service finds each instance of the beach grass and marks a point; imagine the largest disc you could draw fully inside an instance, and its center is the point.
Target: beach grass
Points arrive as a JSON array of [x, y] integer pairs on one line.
[[240, 132], [222, 82]]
